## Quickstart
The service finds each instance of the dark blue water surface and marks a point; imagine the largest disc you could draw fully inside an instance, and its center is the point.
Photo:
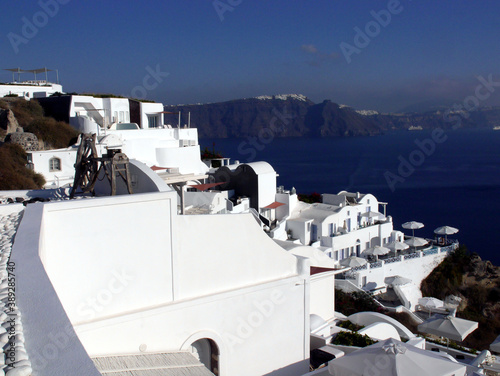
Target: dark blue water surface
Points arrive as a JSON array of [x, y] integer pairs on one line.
[[454, 181]]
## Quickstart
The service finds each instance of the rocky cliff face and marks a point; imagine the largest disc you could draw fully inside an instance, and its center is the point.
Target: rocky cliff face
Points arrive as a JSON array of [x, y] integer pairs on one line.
[[12, 133], [284, 116], [484, 278], [328, 119], [8, 121], [477, 283], [296, 116]]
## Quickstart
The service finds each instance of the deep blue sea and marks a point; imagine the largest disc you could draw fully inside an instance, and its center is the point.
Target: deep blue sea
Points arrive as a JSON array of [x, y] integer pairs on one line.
[[454, 181]]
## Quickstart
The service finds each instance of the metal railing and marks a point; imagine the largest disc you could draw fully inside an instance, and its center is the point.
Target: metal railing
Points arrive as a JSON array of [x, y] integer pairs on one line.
[[392, 260], [412, 256], [401, 258], [361, 267]]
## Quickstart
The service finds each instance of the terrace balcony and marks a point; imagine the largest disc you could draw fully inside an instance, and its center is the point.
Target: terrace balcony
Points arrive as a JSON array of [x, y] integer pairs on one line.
[[402, 256], [414, 264], [344, 237]]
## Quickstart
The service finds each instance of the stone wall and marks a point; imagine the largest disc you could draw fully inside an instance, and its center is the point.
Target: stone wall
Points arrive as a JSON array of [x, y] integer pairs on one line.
[[28, 141]]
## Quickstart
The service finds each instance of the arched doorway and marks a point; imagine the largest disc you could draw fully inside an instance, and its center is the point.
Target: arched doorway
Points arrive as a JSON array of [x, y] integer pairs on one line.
[[375, 241], [207, 352]]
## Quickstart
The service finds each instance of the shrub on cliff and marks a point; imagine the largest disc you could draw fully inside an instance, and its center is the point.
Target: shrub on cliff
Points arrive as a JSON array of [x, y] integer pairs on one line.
[[24, 111], [29, 114], [13, 171], [447, 278], [55, 134], [349, 304], [352, 339]]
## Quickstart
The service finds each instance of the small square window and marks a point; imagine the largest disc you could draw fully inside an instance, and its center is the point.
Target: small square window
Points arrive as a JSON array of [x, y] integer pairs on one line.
[[54, 164], [153, 121]]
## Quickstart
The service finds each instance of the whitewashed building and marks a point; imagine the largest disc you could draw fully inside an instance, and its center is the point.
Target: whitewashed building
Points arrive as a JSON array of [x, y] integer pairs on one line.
[[128, 274], [175, 149], [155, 144], [94, 114], [348, 223], [29, 89]]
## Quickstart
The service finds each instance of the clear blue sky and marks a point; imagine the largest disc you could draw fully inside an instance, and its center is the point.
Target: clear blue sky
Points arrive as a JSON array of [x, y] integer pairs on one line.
[[430, 51]]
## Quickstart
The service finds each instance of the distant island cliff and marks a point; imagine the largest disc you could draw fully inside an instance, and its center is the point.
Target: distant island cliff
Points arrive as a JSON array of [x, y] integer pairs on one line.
[[294, 115]]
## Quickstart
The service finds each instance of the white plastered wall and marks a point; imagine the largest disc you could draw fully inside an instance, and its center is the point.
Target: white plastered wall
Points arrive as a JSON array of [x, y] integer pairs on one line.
[[67, 158], [225, 251], [130, 272], [93, 248], [322, 301], [267, 188]]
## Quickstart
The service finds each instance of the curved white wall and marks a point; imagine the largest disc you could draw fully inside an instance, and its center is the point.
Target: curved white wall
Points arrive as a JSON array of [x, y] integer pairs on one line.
[[380, 331], [368, 318], [50, 340], [186, 158]]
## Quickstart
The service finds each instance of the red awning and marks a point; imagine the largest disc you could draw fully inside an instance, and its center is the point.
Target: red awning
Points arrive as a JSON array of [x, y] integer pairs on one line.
[[156, 168], [274, 205], [203, 187], [317, 270]]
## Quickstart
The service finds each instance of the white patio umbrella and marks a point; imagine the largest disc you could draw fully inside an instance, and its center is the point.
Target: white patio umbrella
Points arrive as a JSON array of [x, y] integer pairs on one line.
[[353, 261], [377, 251], [412, 225], [450, 327], [396, 280], [393, 358], [431, 303], [495, 345], [397, 246], [446, 230], [416, 242]]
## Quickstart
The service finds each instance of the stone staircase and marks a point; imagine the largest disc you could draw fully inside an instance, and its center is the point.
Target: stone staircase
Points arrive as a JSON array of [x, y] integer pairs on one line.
[[180, 363]]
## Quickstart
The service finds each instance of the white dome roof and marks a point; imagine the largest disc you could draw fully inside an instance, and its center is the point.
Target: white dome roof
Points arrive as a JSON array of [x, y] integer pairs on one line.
[[315, 322]]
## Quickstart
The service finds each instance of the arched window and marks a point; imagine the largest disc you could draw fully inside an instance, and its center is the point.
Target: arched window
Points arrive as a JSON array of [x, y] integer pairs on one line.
[[54, 164], [207, 352]]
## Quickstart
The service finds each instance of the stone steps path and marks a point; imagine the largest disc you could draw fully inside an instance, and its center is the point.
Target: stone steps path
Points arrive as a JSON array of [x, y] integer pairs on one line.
[[181, 363]]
